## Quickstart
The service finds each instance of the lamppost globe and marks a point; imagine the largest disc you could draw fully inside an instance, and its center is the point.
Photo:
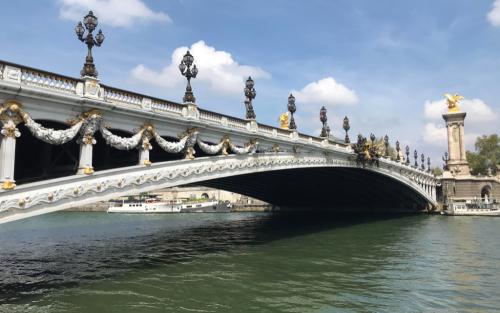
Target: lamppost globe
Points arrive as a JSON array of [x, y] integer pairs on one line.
[[79, 30], [188, 59], [99, 38], [249, 83], [90, 21], [182, 67], [194, 71]]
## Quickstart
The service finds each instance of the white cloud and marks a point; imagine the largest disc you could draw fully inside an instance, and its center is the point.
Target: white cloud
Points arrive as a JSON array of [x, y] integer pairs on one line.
[[435, 135], [327, 92], [216, 69], [494, 14], [119, 13], [477, 110]]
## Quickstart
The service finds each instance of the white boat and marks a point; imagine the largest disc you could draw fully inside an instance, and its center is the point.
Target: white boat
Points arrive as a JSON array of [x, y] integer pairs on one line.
[[157, 206], [472, 206]]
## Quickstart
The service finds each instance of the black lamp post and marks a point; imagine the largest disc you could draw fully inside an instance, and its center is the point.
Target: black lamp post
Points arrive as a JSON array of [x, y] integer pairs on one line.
[[415, 155], [323, 118], [407, 155], [422, 164], [188, 72], [250, 94], [292, 108], [346, 127], [398, 148], [428, 164], [90, 22], [372, 138], [386, 145]]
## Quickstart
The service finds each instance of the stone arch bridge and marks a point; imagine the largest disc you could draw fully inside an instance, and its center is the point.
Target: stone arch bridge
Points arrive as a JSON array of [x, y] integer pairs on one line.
[[68, 142]]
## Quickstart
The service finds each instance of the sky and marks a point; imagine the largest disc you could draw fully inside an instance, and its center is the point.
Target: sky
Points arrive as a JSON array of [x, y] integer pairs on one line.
[[385, 64]]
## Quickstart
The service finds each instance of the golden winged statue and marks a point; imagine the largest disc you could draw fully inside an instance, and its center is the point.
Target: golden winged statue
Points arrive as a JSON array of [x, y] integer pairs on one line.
[[284, 120], [453, 102]]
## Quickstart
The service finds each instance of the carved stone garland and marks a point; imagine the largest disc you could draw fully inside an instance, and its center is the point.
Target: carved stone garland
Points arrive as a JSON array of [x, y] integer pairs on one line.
[[49, 135]]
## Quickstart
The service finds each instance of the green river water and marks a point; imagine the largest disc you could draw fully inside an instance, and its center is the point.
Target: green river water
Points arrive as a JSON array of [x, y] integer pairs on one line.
[[248, 262]]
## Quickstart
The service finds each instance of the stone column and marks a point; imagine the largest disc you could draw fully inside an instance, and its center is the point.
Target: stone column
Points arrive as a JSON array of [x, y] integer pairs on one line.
[[8, 154], [9, 115], [87, 141], [86, 149], [144, 150], [457, 163]]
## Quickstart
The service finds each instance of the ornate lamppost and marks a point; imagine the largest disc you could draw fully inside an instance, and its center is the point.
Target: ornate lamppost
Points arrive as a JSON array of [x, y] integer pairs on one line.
[[188, 72], [445, 159], [386, 145], [407, 155], [90, 22], [422, 164], [415, 155], [292, 108], [428, 164], [250, 94], [323, 118], [398, 148], [328, 131], [346, 127], [372, 138]]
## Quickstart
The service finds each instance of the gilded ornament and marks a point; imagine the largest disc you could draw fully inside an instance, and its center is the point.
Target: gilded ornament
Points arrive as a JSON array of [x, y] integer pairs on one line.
[[453, 102], [21, 202], [284, 120], [88, 170], [147, 162], [11, 111], [8, 185]]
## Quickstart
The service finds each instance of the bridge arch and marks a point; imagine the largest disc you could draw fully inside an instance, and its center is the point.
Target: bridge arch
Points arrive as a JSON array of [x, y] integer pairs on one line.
[[57, 194]]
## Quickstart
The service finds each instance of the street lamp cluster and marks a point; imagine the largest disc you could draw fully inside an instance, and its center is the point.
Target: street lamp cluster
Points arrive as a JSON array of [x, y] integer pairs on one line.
[[90, 22], [189, 70]]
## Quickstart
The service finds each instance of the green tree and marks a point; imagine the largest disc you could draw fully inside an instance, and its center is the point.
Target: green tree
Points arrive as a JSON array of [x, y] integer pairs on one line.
[[437, 171], [486, 154]]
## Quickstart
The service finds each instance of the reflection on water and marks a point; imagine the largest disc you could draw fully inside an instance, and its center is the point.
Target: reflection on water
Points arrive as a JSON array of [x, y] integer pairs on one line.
[[97, 262]]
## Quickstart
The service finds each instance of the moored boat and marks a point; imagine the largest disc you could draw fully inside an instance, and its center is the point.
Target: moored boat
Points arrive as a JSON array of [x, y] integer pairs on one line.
[[472, 207], [158, 206]]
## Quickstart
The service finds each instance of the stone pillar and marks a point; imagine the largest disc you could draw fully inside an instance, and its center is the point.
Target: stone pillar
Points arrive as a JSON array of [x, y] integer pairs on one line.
[[145, 147], [8, 155], [9, 115], [457, 163], [86, 147]]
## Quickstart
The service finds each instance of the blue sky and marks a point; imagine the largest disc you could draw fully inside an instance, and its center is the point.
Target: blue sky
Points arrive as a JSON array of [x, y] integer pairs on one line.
[[386, 64]]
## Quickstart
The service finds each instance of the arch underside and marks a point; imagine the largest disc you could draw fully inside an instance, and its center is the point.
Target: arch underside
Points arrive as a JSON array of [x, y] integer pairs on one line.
[[294, 181], [335, 188]]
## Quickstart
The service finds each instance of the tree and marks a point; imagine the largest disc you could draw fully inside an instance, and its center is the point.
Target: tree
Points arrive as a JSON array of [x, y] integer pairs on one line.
[[487, 154], [437, 171]]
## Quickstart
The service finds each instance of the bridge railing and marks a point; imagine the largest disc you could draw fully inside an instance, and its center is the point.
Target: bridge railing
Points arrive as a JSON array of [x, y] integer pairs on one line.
[[53, 82]]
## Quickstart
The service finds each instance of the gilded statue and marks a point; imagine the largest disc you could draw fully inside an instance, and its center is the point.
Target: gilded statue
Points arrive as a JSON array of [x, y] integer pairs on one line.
[[284, 120], [453, 102]]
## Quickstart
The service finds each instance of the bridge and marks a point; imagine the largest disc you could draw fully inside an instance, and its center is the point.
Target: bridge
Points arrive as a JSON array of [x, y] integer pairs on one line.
[[73, 141]]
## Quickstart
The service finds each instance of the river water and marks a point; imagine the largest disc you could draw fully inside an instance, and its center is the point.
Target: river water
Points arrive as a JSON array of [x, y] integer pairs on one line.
[[248, 262]]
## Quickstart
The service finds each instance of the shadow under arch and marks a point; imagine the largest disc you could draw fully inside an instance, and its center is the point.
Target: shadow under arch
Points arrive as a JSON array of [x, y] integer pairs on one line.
[[37, 160], [337, 189]]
